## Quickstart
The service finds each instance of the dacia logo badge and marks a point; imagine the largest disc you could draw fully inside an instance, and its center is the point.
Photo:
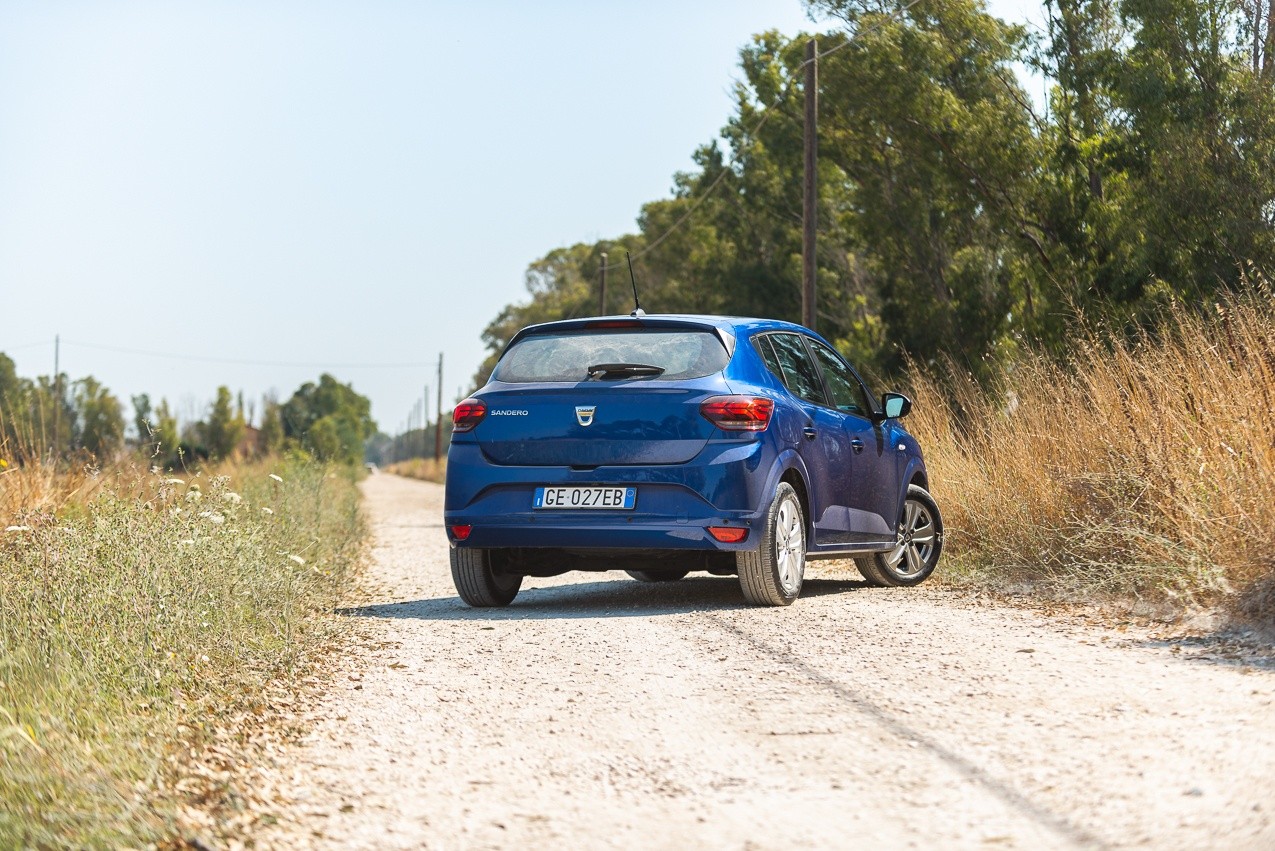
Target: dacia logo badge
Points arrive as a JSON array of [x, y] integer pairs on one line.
[[584, 414]]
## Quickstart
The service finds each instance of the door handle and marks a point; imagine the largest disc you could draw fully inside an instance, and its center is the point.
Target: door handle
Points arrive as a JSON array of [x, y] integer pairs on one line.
[[809, 432], [856, 445]]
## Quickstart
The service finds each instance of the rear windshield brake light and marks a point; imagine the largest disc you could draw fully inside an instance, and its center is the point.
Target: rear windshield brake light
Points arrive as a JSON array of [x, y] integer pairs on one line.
[[615, 323]]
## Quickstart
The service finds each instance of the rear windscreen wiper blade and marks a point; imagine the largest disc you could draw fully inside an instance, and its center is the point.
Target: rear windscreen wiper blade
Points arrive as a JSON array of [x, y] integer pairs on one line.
[[599, 370]]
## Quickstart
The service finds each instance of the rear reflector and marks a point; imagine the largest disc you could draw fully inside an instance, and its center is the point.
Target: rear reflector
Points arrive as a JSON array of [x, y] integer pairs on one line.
[[728, 534], [460, 533], [738, 413], [468, 414]]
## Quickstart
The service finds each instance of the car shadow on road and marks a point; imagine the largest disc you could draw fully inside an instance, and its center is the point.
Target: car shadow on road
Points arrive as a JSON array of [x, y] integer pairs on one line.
[[597, 600]]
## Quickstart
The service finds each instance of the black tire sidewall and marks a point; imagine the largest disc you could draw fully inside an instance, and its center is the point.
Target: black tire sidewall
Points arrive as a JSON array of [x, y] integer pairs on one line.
[[783, 493]]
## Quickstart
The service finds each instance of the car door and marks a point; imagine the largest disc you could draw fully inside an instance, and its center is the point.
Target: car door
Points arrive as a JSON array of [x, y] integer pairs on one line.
[[870, 480], [825, 445]]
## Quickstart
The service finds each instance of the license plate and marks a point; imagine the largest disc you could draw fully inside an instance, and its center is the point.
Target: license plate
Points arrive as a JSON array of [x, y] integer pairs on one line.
[[613, 498]]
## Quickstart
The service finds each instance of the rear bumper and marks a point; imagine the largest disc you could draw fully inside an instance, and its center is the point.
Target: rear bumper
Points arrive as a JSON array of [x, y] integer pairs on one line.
[[722, 486]]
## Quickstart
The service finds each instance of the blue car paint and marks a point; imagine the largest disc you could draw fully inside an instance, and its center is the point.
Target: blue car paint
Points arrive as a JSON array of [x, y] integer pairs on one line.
[[729, 480]]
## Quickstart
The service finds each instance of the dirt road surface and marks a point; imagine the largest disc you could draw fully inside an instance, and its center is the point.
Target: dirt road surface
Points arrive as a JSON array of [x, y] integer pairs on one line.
[[600, 712]]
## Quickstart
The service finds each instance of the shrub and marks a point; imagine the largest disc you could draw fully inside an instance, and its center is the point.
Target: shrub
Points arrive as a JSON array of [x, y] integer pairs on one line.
[[1143, 466]]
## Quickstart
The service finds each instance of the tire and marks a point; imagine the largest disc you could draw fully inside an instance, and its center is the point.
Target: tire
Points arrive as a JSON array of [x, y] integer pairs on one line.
[[478, 583], [771, 575], [920, 542], [657, 575]]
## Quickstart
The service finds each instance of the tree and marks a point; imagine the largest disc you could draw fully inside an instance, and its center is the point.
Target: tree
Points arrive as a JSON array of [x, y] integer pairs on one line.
[[271, 426], [166, 436], [224, 428], [99, 422], [329, 419], [955, 218], [142, 421]]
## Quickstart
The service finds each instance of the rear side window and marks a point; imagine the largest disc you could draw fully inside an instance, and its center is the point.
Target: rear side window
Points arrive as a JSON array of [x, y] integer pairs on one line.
[[567, 356], [795, 366], [848, 394]]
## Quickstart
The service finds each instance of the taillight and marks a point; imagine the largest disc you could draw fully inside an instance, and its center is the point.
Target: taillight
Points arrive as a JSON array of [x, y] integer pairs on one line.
[[460, 533], [468, 414], [738, 413]]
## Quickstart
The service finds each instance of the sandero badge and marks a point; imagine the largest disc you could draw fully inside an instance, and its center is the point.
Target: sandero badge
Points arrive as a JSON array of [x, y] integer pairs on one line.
[[729, 446]]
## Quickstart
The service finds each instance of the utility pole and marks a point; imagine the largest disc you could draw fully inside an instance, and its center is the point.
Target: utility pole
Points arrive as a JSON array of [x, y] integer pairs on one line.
[[602, 293], [810, 188], [425, 429], [438, 429], [57, 389]]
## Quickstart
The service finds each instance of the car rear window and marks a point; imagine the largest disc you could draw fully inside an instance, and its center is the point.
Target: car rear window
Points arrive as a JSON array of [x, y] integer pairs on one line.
[[567, 356]]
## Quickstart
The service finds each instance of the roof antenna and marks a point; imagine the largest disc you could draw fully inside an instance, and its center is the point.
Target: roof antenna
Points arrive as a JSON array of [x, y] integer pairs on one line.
[[637, 305]]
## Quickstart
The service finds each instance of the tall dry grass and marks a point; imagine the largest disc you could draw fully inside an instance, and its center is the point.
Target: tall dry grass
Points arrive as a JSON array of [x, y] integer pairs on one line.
[[425, 469], [34, 488], [132, 620], [1143, 467]]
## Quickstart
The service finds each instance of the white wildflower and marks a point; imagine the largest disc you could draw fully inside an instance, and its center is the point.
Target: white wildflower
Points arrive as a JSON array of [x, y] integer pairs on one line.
[[276, 478], [265, 510], [297, 559], [176, 482], [18, 529], [217, 518], [232, 497], [203, 658], [193, 495]]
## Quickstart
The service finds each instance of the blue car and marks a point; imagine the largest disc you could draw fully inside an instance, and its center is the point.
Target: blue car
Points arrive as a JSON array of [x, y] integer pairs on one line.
[[662, 445]]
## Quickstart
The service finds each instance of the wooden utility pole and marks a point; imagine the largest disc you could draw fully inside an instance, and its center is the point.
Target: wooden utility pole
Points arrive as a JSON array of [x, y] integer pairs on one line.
[[57, 391], [438, 429], [810, 188], [425, 419], [602, 291]]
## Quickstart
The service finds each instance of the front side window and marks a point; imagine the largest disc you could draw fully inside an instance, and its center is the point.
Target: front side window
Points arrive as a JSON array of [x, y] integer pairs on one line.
[[567, 356], [796, 368], [847, 393]]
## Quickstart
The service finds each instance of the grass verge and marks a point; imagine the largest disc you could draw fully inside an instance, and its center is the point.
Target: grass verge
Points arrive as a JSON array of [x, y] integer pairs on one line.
[[1142, 468], [133, 621], [426, 469]]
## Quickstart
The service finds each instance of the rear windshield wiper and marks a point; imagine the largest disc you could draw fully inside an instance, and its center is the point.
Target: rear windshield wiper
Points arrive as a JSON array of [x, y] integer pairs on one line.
[[623, 370]]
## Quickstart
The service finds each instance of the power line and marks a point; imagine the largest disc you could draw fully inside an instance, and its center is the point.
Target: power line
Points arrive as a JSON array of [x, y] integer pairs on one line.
[[26, 346], [243, 361], [751, 138]]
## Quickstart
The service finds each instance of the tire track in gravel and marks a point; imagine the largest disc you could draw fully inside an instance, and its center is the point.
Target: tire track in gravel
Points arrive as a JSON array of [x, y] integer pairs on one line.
[[601, 712]]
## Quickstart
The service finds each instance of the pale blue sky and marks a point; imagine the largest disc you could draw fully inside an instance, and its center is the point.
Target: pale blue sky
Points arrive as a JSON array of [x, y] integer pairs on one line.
[[330, 183]]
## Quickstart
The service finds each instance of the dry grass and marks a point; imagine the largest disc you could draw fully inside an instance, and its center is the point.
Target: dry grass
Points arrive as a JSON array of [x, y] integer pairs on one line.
[[1141, 468], [37, 489], [133, 620], [426, 469]]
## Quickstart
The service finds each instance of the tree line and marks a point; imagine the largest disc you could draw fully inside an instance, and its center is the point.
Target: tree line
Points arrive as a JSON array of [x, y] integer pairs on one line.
[[961, 217], [50, 419]]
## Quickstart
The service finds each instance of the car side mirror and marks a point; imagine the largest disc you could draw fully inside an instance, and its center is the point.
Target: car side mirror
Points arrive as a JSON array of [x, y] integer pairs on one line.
[[896, 405]]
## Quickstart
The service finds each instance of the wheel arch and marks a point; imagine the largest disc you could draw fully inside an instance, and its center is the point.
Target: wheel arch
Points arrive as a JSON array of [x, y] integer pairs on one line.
[[913, 474], [789, 468]]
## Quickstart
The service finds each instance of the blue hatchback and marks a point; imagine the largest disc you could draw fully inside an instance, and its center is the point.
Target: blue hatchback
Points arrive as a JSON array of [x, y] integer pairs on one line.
[[661, 445]]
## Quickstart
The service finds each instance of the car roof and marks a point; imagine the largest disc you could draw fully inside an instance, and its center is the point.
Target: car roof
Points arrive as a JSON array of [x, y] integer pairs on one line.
[[732, 325]]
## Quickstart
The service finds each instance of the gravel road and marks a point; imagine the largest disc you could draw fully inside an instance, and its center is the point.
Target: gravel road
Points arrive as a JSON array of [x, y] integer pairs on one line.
[[600, 712]]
